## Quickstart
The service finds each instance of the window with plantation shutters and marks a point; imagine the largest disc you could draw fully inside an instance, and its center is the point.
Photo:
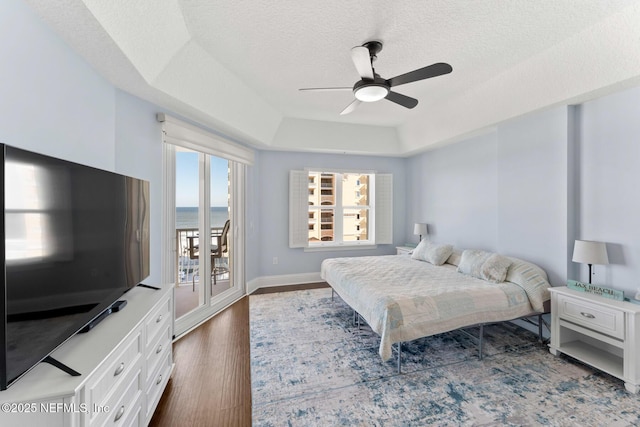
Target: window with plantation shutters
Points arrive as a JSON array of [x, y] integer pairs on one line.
[[384, 209], [298, 224], [339, 209]]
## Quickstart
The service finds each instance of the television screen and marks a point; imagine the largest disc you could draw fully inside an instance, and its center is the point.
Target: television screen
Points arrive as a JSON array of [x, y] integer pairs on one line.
[[76, 239]]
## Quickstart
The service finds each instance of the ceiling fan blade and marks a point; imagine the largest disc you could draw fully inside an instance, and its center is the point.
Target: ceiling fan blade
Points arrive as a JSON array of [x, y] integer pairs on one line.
[[351, 107], [362, 61], [325, 89], [400, 99], [427, 72]]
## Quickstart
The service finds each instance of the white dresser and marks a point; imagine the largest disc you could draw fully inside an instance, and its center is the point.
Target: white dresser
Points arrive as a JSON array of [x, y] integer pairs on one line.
[[125, 362], [601, 332]]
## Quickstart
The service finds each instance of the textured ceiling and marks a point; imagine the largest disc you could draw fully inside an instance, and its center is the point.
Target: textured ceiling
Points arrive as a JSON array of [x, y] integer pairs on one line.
[[238, 65]]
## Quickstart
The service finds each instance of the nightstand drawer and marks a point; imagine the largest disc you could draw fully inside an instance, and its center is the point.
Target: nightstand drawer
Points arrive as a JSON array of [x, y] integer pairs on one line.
[[592, 316]]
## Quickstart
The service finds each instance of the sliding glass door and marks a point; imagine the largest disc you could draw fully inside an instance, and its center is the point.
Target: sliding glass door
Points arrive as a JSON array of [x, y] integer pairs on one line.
[[203, 222], [199, 278], [204, 267]]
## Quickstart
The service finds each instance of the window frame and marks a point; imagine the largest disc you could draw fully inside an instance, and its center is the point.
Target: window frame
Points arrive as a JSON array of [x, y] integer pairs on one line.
[[380, 208], [339, 209]]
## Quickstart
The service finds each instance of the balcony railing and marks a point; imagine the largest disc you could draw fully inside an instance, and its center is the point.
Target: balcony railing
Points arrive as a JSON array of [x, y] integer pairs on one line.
[[185, 260]]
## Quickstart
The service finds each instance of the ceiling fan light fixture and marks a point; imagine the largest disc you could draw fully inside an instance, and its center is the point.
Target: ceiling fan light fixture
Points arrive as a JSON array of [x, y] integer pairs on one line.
[[371, 92], [371, 87]]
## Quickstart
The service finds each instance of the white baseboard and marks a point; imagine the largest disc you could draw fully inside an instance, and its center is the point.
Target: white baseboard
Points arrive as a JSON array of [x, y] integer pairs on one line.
[[282, 280]]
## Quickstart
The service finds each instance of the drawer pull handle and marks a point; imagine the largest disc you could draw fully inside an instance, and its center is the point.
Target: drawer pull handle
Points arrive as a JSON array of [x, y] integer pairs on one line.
[[119, 370], [159, 319], [159, 380], [588, 315], [159, 349], [119, 414]]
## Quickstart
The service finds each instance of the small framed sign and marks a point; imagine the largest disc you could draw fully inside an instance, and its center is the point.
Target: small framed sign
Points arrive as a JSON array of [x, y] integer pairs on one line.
[[596, 289]]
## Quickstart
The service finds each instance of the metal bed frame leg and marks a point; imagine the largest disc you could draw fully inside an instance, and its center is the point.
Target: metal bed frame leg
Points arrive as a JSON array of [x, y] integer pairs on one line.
[[480, 338], [399, 358], [540, 340]]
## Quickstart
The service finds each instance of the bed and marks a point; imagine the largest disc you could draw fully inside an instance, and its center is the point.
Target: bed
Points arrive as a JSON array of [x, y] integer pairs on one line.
[[404, 298]]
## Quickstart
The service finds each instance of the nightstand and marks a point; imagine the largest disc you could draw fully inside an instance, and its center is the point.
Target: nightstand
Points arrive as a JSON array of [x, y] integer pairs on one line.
[[601, 332], [404, 250]]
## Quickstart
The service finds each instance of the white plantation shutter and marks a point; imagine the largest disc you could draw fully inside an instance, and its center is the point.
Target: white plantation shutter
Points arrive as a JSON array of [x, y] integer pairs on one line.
[[298, 209], [383, 209]]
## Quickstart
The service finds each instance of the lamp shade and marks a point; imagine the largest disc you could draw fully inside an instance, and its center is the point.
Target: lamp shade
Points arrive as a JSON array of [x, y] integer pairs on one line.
[[420, 229], [589, 252]]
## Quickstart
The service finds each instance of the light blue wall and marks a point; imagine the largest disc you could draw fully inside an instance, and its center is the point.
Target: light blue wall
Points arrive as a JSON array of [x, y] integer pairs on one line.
[[609, 186], [536, 183], [253, 213], [54, 103], [533, 190], [269, 221], [504, 191], [51, 101], [454, 191], [138, 148]]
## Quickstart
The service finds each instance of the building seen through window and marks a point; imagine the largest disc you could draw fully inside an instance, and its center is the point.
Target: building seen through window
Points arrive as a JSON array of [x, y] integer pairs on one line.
[[339, 212]]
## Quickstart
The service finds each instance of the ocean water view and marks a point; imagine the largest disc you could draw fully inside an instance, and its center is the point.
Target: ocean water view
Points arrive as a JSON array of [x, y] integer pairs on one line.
[[187, 217]]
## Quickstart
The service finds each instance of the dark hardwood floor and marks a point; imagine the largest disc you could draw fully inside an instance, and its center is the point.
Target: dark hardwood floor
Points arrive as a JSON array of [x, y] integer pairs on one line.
[[211, 382]]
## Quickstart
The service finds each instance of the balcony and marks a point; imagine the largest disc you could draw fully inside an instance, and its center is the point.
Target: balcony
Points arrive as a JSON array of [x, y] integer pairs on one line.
[[187, 281], [186, 260]]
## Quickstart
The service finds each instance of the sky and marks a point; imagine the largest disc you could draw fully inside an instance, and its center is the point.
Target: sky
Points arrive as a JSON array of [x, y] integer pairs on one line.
[[187, 180]]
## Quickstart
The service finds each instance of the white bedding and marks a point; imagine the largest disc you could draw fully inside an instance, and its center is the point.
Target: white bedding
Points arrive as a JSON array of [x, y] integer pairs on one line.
[[404, 299]]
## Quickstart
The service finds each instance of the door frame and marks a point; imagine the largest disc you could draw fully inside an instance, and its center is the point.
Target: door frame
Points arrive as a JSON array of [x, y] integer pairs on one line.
[[237, 191]]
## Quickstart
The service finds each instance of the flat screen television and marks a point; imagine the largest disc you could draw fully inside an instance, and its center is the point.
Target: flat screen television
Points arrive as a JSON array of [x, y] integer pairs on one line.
[[76, 238]]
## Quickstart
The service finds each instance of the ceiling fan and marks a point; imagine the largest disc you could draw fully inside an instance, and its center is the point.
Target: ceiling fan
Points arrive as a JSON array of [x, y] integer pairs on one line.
[[373, 88]]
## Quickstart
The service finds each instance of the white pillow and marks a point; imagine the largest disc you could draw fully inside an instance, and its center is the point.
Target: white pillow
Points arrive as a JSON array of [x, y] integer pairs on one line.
[[434, 253], [455, 257], [495, 268], [471, 262], [533, 280]]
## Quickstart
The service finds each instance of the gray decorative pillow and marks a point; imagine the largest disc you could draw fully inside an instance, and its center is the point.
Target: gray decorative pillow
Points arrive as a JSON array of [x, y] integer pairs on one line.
[[434, 253], [471, 262], [495, 268]]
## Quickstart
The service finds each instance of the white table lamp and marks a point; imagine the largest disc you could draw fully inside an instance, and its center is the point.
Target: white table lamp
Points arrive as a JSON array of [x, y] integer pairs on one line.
[[420, 229], [589, 252]]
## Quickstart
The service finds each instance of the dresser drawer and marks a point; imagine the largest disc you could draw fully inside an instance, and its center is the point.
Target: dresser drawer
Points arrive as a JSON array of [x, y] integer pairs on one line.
[[593, 316], [119, 365], [158, 350], [157, 384], [157, 320], [125, 405]]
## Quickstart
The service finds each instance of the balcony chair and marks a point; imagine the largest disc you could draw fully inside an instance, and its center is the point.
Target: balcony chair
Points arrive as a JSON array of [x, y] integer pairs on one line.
[[218, 250]]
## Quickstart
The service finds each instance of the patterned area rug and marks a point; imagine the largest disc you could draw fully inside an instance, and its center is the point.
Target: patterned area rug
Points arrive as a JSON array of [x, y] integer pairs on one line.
[[311, 366]]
